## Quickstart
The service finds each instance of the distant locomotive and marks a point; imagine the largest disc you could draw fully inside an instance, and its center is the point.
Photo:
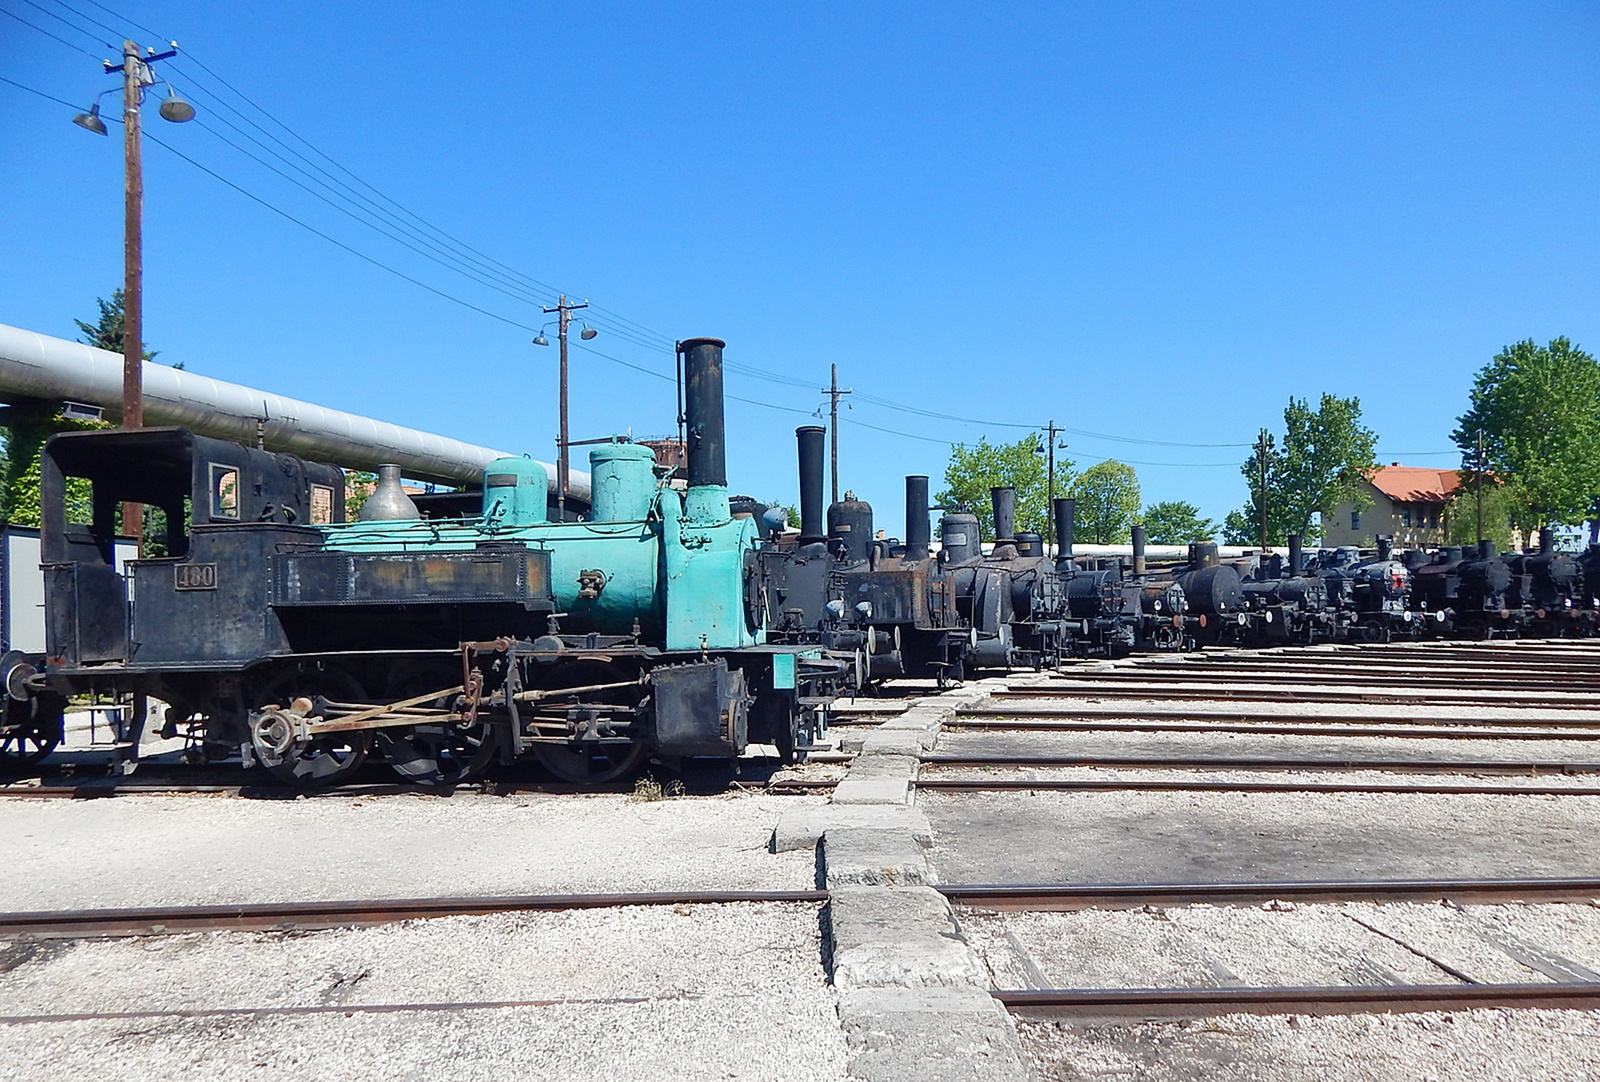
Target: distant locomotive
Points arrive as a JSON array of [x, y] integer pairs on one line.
[[442, 646]]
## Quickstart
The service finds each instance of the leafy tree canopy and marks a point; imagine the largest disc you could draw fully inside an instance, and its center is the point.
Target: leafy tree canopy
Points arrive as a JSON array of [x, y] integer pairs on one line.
[[1108, 502], [1502, 513], [106, 332], [974, 470], [1318, 465], [1538, 408], [1176, 522]]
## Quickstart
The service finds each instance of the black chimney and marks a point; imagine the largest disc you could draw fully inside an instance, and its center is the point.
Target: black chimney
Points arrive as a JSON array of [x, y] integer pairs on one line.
[[917, 532], [1294, 555], [1005, 513], [707, 434], [1138, 550], [811, 439], [1065, 508], [1486, 550], [1385, 547], [1547, 539]]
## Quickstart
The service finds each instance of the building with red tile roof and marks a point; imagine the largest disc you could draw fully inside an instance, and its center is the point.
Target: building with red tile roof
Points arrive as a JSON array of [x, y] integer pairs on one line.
[[1409, 503]]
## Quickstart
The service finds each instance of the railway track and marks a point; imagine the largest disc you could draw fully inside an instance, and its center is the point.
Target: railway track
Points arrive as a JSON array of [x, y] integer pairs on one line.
[[1060, 721], [1165, 1003], [304, 916], [1520, 767]]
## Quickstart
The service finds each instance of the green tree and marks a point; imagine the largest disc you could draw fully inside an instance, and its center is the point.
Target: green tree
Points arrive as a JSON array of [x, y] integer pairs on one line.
[[1176, 522], [1538, 409], [1318, 465], [1502, 513], [106, 332], [973, 471], [1108, 502]]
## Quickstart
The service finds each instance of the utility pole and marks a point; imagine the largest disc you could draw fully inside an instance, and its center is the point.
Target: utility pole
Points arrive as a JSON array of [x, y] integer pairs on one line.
[[1263, 449], [1050, 501], [564, 318], [1477, 477], [834, 393]]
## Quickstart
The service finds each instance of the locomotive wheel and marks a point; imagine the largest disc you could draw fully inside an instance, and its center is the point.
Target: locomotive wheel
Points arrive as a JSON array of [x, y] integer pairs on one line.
[[802, 730], [596, 764], [327, 760], [32, 728], [440, 754]]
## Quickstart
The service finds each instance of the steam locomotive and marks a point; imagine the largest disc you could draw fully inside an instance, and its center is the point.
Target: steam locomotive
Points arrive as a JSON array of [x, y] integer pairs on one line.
[[441, 647]]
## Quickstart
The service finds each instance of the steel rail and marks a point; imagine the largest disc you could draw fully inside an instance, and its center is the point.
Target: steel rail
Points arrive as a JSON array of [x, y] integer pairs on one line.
[[1423, 697], [1177, 785], [345, 1009], [1324, 679], [1158, 1003], [1531, 666], [1392, 684], [1528, 768], [101, 790], [278, 916], [1177, 710], [1013, 721], [1067, 897]]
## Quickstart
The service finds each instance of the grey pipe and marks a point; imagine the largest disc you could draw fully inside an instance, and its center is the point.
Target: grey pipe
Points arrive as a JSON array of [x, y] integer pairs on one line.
[[810, 441], [917, 531], [1065, 508], [1005, 513], [37, 366]]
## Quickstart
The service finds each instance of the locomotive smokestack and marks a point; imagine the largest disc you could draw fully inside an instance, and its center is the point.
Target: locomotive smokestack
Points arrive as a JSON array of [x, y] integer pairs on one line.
[[811, 439], [1138, 550], [1202, 554], [917, 531], [1005, 513], [1065, 508], [1294, 555], [707, 433], [1486, 550], [1385, 548], [1547, 539]]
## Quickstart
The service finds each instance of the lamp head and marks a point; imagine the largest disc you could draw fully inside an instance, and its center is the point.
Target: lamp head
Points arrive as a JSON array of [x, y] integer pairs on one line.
[[541, 340], [174, 108], [588, 332], [91, 121]]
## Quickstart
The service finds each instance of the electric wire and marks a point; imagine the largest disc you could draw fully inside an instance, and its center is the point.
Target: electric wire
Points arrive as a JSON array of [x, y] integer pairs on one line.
[[48, 34], [52, 97], [108, 29], [68, 24], [476, 265], [123, 18]]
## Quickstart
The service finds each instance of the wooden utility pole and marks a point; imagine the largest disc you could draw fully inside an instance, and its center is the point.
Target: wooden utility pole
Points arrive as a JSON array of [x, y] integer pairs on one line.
[[834, 393], [564, 319], [135, 75], [1050, 500], [1263, 449], [1477, 477]]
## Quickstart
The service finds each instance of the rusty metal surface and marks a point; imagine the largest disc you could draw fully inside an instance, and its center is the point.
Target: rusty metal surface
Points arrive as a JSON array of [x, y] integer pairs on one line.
[[1125, 1003], [277, 916], [1066, 897], [983, 785], [1524, 767], [1024, 721]]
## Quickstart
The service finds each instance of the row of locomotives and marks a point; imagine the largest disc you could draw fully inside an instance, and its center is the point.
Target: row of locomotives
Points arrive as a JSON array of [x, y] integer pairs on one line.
[[1373, 598], [1465, 590], [1550, 589], [1286, 605], [1112, 609], [1011, 596], [441, 647]]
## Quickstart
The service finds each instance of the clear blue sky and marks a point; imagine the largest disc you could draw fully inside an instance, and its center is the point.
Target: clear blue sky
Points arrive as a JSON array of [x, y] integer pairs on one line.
[[1148, 221]]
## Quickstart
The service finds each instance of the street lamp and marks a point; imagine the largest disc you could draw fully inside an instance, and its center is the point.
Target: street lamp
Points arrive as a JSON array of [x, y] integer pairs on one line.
[[136, 75], [564, 312]]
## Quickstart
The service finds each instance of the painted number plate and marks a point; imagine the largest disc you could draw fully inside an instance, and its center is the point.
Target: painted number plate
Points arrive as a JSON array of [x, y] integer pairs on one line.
[[195, 577]]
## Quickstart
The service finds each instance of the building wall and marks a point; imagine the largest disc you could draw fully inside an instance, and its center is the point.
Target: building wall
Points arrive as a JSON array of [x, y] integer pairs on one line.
[[1387, 516]]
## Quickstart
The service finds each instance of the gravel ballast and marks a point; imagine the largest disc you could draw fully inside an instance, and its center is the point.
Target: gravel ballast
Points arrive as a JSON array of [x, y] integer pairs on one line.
[[173, 850], [693, 992]]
